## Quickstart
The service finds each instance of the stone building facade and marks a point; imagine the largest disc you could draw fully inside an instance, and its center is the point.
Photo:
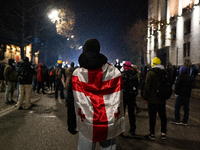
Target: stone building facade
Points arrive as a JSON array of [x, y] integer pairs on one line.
[[174, 31], [13, 51]]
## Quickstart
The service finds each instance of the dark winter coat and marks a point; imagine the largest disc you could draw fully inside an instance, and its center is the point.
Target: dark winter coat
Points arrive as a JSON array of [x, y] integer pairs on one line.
[[130, 81], [183, 85], [30, 71], [10, 72], [151, 83], [68, 74]]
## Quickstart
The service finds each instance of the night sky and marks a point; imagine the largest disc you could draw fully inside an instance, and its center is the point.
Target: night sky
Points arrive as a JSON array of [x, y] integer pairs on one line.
[[106, 20]]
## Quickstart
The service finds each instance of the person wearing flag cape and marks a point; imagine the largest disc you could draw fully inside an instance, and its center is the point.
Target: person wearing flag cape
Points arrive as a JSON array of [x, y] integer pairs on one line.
[[95, 100]]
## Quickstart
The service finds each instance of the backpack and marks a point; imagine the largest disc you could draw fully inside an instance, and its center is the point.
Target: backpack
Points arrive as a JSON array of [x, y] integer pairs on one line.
[[58, 74], [130, 83], [22, 73], [164, 87], [51, 73]]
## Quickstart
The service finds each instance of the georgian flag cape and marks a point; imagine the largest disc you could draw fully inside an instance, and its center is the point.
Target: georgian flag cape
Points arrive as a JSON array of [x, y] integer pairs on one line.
[[98, 100]]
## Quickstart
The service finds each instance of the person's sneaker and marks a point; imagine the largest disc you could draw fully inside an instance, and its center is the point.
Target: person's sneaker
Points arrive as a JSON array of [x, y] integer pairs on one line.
[[20, 108], [132, 133], [163, 136], [183, 123], [151, 136], [173, 121], [7, 102], [12, 101], [28, 108]]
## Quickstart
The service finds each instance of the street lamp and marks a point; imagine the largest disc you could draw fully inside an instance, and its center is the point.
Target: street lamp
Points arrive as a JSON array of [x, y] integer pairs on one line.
[[54, 16]]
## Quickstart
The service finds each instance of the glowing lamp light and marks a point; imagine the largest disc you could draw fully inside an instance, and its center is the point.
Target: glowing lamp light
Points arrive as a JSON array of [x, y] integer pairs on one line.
[[53, 14]]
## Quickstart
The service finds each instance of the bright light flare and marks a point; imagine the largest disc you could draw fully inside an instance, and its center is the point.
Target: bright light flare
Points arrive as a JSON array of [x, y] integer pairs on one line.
[[53, 14]]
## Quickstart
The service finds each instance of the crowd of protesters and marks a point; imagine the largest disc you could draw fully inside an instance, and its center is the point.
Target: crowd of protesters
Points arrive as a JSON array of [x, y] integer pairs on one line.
[[27, 78]]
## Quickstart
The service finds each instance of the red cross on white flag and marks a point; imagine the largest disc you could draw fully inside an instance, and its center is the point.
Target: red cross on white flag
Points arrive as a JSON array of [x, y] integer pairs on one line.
[[98, 102]]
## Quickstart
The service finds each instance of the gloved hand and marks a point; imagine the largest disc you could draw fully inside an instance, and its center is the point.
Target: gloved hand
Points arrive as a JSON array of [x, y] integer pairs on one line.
[[72, 130]]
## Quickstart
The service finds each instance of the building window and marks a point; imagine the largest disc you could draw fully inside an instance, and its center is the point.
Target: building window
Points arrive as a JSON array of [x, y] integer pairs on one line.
[[186, 49], [187, 26], [173, 33]]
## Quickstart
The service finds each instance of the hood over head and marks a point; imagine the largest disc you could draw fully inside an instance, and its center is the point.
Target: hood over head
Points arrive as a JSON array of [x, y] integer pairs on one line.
[[91, 58], [11, 61], [40, 65], [183, 70], [26, 59], [91, 45]]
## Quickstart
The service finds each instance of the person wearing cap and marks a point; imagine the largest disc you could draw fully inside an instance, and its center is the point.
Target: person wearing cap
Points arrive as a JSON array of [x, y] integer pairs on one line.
[[154, 103], [10, 78], [59, 75], [95, 100], [183, 88], [130, 91]]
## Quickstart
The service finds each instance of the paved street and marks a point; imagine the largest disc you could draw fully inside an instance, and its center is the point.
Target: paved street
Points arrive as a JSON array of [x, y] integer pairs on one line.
[[45, 127]]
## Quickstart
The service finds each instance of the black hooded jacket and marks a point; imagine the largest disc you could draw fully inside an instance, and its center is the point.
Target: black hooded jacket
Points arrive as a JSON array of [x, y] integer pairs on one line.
[[183, 85], [30, 71]]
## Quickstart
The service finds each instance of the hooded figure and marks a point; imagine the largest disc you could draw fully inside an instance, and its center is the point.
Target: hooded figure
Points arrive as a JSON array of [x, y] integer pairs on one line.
[[91, 58], [40, 78], [40, 73], [95, 104], [10, 71], [183, 88]]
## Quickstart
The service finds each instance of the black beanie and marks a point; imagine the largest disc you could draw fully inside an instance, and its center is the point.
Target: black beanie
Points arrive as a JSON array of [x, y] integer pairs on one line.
[[26, 59], [91, 45]]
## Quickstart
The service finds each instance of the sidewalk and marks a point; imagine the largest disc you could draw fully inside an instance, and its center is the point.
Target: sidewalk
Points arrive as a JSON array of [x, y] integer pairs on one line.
[[4, 107]]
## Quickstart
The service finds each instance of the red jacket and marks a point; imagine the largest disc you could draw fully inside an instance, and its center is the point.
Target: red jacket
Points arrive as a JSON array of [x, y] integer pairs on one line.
[[40, 74]]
